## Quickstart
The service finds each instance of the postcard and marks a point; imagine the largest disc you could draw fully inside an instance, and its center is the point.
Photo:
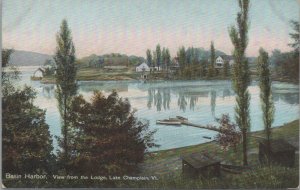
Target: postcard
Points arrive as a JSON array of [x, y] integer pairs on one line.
[[155, 94]]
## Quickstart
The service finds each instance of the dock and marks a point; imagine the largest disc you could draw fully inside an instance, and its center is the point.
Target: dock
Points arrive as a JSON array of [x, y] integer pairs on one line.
[[200, 126], [184, 121]]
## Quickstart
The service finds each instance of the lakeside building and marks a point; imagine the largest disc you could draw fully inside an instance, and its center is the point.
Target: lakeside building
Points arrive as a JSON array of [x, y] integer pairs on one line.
[[142, 68]]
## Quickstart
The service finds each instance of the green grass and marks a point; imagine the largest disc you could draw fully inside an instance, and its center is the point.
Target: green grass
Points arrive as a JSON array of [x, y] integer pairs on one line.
[[86, 74], [168, 162], [262, 177], [166, 165]]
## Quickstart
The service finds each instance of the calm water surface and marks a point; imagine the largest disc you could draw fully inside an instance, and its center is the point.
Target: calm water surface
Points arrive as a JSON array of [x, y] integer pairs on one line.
[[200, 101]]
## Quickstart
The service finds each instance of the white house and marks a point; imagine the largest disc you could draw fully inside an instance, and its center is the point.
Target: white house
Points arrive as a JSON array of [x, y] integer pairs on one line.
[[142, 68], [38, 73], [220, 61]]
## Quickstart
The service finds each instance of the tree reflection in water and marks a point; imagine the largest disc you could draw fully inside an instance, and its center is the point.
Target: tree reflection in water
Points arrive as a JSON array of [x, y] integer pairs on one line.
[[166, 98], [48, 91], [213, 96]]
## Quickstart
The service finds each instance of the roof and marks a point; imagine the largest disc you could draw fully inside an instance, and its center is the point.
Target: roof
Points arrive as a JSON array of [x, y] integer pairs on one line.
[[226, 57], [199, 160], [279, 145], [142, 65]]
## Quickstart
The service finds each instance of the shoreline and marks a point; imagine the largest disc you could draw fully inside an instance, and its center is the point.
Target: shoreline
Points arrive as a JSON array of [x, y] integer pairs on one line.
[[168, 162], [260, 132]]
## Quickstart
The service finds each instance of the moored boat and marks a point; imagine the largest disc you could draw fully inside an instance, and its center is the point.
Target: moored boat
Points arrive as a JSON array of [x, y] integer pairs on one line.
[[182, 118]]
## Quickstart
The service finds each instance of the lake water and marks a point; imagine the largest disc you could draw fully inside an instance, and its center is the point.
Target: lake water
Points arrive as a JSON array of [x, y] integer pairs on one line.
[[200, 101]]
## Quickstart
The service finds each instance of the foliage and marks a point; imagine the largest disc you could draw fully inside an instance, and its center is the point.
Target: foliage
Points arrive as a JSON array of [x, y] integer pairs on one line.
[[13, 73], [181, 54], [26, 140], [108, 138], [241, 74], [154, 58], [229, 135], [49, 68], [158, 56], [149, 57], [265, 83], [27, 143], [274, 177], [295, 36], [286, 64], [211, 67], [65, 82], [6, 53], [226, 69]]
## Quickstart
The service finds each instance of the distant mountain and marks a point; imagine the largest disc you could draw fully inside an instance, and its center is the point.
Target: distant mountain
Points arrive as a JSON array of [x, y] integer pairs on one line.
[[27, 58]]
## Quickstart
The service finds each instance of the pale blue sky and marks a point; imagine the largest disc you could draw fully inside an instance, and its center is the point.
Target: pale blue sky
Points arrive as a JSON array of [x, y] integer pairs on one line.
[[132, 26]]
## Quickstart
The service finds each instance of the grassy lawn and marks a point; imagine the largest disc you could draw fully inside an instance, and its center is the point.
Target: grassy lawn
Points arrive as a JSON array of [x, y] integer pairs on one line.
[[167, 164], [86, 74]]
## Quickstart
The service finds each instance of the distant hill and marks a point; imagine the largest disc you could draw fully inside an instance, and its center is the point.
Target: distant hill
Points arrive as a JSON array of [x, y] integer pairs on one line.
[[27, 58]]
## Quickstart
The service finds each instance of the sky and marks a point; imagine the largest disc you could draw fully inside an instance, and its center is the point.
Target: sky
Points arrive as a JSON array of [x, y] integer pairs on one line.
[[133, 26]]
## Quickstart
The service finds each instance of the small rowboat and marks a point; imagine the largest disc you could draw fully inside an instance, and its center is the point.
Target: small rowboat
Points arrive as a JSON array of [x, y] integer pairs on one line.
[[168, 122], [206, 137], [182, 118]]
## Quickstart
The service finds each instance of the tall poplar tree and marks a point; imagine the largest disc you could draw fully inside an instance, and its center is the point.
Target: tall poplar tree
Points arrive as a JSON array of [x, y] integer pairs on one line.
[[241, 74], [158, 56], [265, 93], [211, 68], [65, 83], [181, 54], [149, 58], [168, 59]]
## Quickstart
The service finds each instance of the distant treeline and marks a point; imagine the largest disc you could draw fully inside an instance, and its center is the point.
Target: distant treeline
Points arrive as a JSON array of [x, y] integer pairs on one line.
[[109, 59]]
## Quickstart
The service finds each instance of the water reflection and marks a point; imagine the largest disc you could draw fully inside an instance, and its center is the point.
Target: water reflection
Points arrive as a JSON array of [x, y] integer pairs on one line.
[[213, 97], [90, 86], [182, 102], [187, 96], [48, 91], [290, 98]]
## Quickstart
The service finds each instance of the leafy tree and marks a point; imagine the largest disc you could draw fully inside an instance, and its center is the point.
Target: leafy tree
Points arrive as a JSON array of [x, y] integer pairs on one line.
[[154, 59], [266, 93], [211, 68], [167, 59], [181, 54], [163, 58], [109, 139], [6, 54], [13, 74], [295, 35], [229, 135], [49, 68], [66, 84], [294, 65], [241, 74], [158, 56], [226, 69], [204, 68], [149, 57], [287, 64], [26, 140]]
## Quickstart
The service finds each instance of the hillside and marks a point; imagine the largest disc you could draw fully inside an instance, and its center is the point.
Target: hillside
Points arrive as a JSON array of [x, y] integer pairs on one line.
[[27, 58]]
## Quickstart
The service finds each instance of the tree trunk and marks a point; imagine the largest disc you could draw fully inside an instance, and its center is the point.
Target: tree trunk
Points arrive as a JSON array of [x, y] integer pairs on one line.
[[65, 133], [245, 161]]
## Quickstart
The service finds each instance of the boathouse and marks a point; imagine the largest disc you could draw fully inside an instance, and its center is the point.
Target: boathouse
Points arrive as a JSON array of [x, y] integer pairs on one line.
[[200, 164], [281, 152]]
